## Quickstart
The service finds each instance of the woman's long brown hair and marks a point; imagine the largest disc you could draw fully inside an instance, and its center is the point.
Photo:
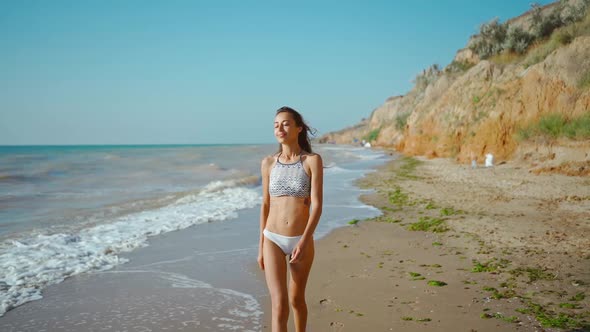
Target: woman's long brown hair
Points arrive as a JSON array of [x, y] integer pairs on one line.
[[303, 138]]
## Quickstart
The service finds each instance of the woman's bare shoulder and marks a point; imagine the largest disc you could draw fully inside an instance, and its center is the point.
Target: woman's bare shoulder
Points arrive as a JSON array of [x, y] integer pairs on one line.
[[313, 155], [268, 160], [313, 158]]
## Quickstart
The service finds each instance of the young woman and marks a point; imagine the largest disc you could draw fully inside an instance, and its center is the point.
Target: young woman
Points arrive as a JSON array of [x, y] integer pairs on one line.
[[292, 182]]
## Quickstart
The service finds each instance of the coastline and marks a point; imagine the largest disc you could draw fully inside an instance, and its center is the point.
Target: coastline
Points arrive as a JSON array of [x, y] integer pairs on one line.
[[511, 248], [183, 279]]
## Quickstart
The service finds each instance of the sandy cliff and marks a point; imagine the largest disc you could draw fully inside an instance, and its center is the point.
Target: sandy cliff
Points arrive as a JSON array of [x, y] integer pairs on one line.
[[479, 108]]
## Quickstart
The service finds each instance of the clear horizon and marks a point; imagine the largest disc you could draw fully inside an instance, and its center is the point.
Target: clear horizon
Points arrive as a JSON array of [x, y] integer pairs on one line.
[[139, 144], [184, 72]]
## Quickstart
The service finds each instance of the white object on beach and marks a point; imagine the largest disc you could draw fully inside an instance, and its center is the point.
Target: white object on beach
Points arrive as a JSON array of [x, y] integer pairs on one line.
[[473, 163], [489, 160], [367, 145]]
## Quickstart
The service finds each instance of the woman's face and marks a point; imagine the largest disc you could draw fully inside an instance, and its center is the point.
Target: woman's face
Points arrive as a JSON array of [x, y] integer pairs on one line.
[[286, 130]]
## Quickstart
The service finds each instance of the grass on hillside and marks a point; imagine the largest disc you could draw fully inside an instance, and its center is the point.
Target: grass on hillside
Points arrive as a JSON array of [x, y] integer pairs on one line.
[[542, 48], [401, 120], [372, 135], [559, 37], [584, 81], [556, 125], [505, 58]]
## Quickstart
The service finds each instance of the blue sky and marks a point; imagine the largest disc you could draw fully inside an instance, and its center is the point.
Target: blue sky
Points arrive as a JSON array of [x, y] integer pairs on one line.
[[201, 72]]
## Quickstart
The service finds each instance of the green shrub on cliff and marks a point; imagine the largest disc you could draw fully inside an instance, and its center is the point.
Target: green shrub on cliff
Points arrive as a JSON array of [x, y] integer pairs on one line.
[[552, 125], [582, 28], [543, 25], [517, 40], [540, 52], [578, 128], [427, 76], [372, 135], [584, 81], [458, 66], [556, 125], [401, 120], [491, 39], [571, 13], [559, 37], [569, 20], [564, 36], [565, 13]]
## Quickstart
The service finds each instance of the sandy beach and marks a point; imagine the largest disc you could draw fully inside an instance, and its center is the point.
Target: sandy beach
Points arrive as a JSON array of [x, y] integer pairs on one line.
[[457, 249]]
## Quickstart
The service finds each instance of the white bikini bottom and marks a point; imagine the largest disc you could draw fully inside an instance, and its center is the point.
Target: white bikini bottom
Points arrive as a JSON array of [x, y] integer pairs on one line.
[[286, 243]]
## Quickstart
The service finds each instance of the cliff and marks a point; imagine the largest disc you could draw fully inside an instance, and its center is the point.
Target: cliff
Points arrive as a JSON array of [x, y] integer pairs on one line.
[[474, 107]]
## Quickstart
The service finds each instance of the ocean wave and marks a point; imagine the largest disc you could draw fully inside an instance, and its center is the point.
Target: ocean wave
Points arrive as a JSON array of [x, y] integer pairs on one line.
[[329, 165], [337, 170], [364, 156], [20, 158], [20, 178], [41, 174], [350, 206], [29, 264], [340, 147], [247, 181]]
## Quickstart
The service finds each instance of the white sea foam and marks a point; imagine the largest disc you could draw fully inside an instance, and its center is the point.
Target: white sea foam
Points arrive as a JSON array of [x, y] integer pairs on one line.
[[363, 155], [327, 147], [351, 206], [27, 265], [338, 169], [355, 152], [230, 310], [371, 156]]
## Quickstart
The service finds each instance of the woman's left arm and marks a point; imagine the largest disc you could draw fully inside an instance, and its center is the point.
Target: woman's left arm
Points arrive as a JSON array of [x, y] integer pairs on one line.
[[317, 193]]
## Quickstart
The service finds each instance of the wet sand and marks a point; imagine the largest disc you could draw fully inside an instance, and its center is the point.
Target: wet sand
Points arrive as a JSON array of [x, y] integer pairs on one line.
[[512, 250]]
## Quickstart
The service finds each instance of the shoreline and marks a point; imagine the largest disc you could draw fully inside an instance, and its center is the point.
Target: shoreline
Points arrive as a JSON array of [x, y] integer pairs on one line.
[[511, 249], [198, 277]]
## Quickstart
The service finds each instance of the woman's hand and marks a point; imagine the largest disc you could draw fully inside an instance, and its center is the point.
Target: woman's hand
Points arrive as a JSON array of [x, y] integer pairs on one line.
[[298, 251], [260, 260]]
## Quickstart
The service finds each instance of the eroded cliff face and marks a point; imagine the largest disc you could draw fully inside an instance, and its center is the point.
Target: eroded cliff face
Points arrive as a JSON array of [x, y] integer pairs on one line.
[[479, 110]]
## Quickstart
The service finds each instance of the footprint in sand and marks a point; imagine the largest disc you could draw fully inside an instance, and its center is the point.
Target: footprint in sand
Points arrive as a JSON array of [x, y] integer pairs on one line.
[[336, 326]]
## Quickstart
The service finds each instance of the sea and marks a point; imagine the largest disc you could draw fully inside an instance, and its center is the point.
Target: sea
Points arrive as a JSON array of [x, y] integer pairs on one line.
[[147, 237]]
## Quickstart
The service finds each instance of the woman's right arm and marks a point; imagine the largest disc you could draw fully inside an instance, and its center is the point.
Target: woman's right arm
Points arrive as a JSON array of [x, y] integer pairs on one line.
[[264, 208]]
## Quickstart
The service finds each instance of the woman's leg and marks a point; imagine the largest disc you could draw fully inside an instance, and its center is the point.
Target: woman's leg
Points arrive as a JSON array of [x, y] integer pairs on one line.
[[275, 271], [299, 274]]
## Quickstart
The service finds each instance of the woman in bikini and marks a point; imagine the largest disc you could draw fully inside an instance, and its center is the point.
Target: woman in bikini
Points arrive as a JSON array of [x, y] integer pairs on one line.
[[292, 182]]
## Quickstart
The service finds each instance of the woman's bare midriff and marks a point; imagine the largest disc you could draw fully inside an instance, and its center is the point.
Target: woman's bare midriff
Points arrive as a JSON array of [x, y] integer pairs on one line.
[[288, 215]]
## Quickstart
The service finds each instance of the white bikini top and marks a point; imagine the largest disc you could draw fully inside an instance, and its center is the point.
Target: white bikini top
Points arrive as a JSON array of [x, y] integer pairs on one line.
[[289, 180]]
